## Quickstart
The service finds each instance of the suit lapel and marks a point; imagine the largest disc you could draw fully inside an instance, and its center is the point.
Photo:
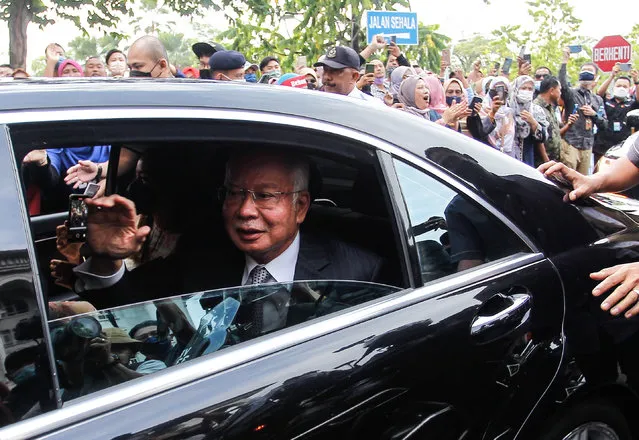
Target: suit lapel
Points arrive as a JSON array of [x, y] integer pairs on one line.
[[312, 259]]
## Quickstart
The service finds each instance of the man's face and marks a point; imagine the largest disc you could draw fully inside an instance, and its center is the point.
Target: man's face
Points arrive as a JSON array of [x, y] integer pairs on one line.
[[263, 230], [70, 71], [340, 81], [145, 333], [542, 73], [139, 60], [623, 83], [94, 68], [272, 65], [392, 61], [230, 75], [5, 72], [589, 84], [204, 61]]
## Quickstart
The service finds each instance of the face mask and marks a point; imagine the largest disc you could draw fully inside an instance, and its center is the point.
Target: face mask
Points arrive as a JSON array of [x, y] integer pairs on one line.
[[525, 96], [450, 100], [275, 73], [24, 374], [537, 85], [117, 67], [142, 195], [205, 74], [251, 77], [139, 74], [378, 81], [620, 92], [586, 76]]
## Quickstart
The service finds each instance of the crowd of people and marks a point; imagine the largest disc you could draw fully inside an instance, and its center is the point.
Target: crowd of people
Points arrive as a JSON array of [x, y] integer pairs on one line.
[[532, 116]]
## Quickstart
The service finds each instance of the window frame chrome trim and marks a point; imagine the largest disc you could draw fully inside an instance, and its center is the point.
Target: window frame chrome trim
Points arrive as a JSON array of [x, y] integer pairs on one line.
[[114, 398], [37, 285], [149, 112]]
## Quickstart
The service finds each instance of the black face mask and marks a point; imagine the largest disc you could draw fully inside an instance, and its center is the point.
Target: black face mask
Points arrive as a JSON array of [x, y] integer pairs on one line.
[[139, 74], [205, 74], [142, 195]]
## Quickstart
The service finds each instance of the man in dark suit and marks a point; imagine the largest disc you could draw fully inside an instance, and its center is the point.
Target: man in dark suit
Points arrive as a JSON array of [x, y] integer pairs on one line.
[[265, 200]]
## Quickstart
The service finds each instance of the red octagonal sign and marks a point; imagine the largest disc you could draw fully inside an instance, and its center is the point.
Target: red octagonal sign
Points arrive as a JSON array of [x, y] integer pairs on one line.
[[611, 50]]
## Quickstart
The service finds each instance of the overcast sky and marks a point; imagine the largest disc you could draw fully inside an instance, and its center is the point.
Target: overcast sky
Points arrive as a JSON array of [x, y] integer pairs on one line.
[[458, 19]]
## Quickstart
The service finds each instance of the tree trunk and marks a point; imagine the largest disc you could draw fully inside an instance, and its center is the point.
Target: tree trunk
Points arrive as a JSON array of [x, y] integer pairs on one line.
[[19, 18]]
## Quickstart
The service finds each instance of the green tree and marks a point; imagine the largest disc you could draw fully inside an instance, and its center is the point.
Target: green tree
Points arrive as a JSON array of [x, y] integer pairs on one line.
[[101, 14], [477, 47], [633, 39], [431, 43], [179, 49], [81, 48], [289, 28]]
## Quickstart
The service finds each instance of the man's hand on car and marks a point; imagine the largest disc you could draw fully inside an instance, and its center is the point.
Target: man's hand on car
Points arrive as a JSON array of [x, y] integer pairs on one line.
[[625, 298], [582, 186], [112, 230]]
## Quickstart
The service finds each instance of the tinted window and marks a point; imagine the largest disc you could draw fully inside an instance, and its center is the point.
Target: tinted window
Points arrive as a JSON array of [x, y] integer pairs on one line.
[[100, 349], [451, 232]]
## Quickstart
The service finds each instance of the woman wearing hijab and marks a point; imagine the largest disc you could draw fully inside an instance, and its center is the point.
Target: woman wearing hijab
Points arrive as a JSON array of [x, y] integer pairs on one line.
[[457, 101], [70, 68], [437, 95], [415, 96], [530, 120], [399, 74]]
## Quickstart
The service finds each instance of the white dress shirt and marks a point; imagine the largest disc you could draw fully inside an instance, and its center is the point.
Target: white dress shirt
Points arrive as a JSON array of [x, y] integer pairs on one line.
[[282, 268], [358, 94]]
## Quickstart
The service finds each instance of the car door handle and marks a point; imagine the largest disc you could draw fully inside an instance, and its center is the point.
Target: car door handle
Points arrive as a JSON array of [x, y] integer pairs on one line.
[[507, 318]]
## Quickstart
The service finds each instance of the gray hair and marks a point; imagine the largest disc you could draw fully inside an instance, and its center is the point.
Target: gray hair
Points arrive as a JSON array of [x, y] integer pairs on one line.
[[297, 166]]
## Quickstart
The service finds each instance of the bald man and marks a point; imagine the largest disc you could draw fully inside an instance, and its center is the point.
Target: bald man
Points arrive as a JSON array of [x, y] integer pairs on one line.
[[148, 59]]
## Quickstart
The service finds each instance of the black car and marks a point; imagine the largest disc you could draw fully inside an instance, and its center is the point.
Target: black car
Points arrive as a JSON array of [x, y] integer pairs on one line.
[[485, 327]]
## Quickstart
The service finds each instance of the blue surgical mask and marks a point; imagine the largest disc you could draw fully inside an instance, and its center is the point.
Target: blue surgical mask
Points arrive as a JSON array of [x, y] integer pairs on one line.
[[250, 77], [24, 374], [537, 85], [450, 100], [586, 76]]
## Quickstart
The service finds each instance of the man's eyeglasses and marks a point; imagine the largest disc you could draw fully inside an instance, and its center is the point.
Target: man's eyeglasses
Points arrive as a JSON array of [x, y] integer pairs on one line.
[[260, 198], [541, 76]]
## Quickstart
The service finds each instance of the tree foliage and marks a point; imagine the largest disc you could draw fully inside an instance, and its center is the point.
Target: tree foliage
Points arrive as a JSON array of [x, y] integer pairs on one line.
[[290, 28], [81, 48], [431, 43]]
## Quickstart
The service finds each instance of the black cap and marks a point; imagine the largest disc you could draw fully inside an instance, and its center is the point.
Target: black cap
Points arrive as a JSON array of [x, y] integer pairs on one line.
[[206, 49], [340, 57], [226, 60]]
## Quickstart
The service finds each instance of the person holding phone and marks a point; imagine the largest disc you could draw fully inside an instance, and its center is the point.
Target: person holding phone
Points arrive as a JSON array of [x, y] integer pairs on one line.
[[617, 107], [580, 136], [380, 86], [414, 94]]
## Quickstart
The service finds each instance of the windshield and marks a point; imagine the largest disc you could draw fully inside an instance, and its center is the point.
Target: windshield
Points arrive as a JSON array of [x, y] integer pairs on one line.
[[100, 349]]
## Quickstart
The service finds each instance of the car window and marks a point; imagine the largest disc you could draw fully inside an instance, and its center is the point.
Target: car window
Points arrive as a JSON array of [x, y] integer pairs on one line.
[[103, 348], [451, 232]]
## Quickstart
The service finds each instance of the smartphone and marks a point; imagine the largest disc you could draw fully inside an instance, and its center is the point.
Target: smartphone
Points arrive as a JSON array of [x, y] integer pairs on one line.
[[575, 48], [393, 39], [507, 63], [370, 68], [91, 190], [501, 93], [527, 58], [446, 56], [78, 213], [522, 51], [301, 61], [575, 109], [625, 67], [476, 100]]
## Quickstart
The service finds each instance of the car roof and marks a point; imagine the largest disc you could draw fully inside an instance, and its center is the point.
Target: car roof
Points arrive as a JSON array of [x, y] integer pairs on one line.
[[393, 126]]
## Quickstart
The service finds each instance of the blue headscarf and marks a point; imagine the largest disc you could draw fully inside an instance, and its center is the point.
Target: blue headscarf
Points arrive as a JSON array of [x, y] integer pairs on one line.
[[64, 158]]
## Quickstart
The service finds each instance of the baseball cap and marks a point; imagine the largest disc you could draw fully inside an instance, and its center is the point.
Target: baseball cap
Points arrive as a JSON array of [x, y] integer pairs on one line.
[[226, 60], [248, 65], [203, 48], [293, 80], [119, 336], [340, 57]]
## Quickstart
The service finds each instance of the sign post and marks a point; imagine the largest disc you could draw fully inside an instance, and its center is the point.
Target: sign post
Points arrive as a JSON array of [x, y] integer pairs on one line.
[[610, 51], [401, 25]]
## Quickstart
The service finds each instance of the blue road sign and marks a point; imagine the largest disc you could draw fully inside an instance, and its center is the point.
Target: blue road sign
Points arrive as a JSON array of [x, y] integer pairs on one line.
[[401, 25]]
